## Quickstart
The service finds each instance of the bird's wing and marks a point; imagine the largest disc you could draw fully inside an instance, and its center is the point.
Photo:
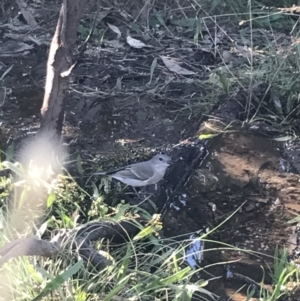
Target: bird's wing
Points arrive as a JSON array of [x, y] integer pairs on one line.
[[137, 171], [124, 173], [142, 171]]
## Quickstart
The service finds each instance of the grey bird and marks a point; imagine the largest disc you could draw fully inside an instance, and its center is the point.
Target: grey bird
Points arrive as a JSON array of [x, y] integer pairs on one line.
[[142, 173]]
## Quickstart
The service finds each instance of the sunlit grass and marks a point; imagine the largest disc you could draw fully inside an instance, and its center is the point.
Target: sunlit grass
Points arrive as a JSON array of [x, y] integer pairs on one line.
[[145, 267]]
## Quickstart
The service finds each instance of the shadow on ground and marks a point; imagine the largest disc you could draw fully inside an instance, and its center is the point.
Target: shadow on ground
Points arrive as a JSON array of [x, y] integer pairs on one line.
[[125, 121]]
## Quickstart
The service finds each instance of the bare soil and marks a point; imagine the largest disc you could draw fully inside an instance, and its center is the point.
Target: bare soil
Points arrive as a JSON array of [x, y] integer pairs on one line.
[[241, 169]]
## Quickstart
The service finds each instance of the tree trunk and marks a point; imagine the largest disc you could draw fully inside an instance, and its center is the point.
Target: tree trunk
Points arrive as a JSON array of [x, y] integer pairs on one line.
[[59, 67]]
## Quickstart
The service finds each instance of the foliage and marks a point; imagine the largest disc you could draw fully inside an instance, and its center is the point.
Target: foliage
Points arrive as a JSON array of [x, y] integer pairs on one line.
[[130, 276], [285, 277], [146, 268]]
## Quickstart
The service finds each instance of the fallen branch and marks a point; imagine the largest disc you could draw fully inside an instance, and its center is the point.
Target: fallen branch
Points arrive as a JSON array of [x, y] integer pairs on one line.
[[76, 240]]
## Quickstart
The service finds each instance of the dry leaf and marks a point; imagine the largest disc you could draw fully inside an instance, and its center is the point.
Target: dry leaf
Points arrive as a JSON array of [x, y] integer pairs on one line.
[[118, 85], [135, 43], [115, 29], [174, 67]]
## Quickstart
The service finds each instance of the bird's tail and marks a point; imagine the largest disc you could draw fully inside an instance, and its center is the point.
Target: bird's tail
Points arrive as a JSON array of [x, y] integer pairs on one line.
[[99, 173]]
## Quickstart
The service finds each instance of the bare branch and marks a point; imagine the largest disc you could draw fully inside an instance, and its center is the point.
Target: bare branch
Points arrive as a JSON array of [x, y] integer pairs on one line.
[[77, 240], [28, 246]]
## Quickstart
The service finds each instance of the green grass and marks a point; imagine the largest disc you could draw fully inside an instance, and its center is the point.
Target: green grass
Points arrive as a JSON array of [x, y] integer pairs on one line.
[[65, 278], [285, 277], [145, 268]]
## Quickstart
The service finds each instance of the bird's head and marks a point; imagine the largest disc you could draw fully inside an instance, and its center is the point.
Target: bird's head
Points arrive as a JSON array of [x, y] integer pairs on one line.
[[161, 160]]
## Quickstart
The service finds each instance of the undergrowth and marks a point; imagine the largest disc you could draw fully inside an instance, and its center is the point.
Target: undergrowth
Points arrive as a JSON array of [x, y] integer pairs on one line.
[[260, 50], [145, 268]]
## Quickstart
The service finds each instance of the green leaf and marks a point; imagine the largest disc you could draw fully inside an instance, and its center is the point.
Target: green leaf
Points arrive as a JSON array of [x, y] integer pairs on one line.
[[51, 199], [224, 82], [159, 18], [207, 136], [276, 16], [67, 221], [144, 233], [176, 277], [81, 296], [135, 27], [59, 280], [122, 270], [117, 289], [83, 31], [121, 211]]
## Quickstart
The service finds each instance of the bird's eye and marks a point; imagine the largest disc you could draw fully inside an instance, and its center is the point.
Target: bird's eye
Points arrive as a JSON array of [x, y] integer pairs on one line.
[[160, 159]]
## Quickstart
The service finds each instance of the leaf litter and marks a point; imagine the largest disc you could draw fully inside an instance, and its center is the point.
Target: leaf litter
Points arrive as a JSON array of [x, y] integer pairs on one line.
[[118, 79]]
